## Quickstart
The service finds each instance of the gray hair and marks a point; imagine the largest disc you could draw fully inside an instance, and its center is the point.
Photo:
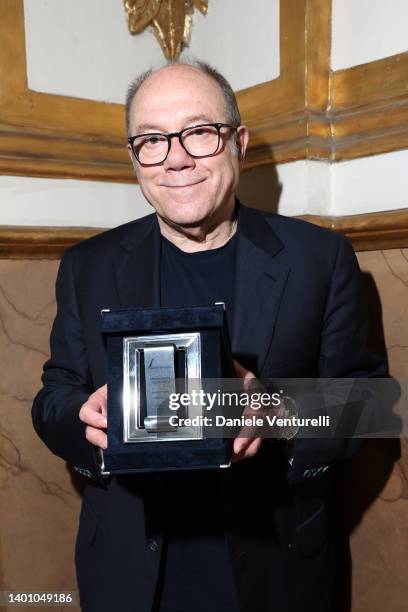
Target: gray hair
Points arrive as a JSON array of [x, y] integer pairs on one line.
[[231, 106]]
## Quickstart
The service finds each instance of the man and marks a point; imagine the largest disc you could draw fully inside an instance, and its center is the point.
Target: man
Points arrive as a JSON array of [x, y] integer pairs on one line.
[[255, 537]]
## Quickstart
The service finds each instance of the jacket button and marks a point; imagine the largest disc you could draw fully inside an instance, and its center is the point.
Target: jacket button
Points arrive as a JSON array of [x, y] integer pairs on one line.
[[153, 545]]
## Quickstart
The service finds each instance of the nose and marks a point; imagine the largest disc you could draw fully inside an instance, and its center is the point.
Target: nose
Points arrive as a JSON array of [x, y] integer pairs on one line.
[[178, 158]]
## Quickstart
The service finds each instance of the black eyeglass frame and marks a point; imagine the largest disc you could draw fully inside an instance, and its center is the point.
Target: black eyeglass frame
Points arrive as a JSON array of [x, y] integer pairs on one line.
[[179, 135]]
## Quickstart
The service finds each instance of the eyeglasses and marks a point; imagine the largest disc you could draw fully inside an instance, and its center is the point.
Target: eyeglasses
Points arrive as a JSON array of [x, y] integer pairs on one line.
[[198, 141]]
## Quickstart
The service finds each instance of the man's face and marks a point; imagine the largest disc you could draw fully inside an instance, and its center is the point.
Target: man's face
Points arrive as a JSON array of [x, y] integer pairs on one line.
[[184, 190]]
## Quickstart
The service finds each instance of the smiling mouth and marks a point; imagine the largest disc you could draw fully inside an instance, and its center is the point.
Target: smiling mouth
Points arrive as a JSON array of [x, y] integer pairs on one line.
[[184, 186]]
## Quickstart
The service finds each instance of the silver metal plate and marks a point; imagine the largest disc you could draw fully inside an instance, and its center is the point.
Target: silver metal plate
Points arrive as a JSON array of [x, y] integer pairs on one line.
[[160, 381], [158, 354]]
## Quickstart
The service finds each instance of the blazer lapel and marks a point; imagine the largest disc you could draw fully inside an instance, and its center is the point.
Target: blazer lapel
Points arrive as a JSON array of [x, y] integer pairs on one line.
[[138, 272], [259, 286], [259, 281]]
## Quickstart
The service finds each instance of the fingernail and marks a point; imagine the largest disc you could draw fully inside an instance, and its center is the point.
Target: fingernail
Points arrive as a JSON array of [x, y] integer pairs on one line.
[[238, 446]]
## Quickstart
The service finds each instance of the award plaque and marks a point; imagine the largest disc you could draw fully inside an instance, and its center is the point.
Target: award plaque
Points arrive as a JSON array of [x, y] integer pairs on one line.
[[154, 354]]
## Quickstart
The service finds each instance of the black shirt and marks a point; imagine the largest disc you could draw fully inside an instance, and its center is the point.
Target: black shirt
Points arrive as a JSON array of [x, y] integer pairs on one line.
[[197, 573], [199, 278]]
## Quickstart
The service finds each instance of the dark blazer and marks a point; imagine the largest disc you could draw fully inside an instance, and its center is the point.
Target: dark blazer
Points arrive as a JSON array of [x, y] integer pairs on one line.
[[297, 313]]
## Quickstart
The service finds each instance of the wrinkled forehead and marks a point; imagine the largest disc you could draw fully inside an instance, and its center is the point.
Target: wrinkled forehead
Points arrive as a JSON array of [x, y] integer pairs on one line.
[[175, 94]]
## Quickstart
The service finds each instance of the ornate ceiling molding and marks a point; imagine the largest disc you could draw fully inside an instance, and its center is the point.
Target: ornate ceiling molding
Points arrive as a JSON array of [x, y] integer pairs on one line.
[[368, 232]]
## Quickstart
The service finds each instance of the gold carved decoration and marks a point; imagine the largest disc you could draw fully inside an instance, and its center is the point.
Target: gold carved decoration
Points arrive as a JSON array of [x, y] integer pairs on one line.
[[171, 21]]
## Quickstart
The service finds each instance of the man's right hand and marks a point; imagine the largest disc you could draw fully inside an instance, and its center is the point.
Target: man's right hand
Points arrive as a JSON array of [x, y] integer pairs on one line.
[[93, 413]]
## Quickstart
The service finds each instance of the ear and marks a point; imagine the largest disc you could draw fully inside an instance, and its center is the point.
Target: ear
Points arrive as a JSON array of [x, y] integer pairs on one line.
[[130, 152], [242, 141], [131, 156]]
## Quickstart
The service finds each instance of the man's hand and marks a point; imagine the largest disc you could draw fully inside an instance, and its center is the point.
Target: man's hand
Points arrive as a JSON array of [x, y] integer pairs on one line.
[[93, 413], [247, 445]]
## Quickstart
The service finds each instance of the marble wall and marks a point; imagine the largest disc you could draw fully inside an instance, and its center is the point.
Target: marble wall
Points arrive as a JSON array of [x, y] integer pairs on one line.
[[40, 504], [40, 500], [377, 480]]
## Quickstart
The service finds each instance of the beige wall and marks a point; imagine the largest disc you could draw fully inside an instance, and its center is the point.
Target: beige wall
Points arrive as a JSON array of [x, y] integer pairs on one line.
[[376, 482], [356, 25], [40, 504]]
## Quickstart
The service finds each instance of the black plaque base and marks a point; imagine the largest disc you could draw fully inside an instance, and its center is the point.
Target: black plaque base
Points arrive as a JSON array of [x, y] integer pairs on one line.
[[151, 451]]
